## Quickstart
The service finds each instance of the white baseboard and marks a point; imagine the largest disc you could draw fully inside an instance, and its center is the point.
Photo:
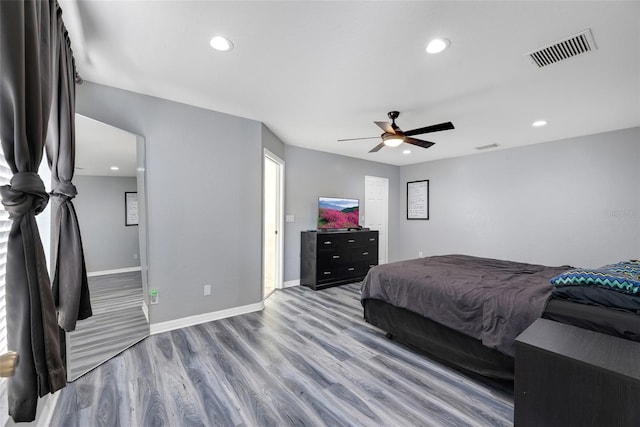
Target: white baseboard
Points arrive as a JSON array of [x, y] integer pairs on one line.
[[46, 410], [145, 310], [291, 283], [184, 322], [119, 270]]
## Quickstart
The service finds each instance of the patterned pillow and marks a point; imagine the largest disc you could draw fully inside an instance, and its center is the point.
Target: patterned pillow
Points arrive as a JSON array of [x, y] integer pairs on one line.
[[622, 277]]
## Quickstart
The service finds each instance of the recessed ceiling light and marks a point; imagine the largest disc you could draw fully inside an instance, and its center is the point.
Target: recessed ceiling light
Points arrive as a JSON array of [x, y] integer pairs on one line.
[[437, 45], [114, 168], [220, 43], [539, 123], [406, 152]]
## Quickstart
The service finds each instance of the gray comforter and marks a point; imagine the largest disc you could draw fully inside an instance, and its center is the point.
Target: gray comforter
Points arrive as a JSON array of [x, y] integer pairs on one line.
[[488, 299]]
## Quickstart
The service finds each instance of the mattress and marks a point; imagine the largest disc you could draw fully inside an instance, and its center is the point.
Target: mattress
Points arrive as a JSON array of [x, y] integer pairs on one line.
[[490, 300], [618, 323], [483, 289]]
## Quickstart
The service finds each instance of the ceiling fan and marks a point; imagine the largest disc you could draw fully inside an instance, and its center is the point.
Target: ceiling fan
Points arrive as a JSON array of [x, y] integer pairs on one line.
[[394, 136]]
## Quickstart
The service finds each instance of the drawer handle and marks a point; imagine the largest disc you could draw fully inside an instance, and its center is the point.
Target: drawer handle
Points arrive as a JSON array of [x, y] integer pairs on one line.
[[336, 256], [351, 240], [351, 268], [327, 243], [365, 253], [326, 273], [373, 239]]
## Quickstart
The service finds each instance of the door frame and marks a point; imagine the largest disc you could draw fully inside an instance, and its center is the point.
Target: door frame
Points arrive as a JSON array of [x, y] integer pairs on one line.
[[279, 276], [369, 178]]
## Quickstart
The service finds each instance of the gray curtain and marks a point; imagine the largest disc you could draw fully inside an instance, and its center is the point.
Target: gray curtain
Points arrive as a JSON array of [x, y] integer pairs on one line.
[[69, 274], [29, 37]]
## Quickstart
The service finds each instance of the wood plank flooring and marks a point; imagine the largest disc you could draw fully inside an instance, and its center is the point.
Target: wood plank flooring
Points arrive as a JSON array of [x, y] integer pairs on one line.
[[308, 359], [117, 322]]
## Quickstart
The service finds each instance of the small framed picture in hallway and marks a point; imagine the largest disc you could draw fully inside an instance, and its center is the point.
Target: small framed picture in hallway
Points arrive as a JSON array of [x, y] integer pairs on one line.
[[131, 208]]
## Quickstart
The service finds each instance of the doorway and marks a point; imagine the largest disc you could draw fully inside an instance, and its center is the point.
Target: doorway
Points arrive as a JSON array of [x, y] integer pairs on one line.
[[273, 223], [376, 204]]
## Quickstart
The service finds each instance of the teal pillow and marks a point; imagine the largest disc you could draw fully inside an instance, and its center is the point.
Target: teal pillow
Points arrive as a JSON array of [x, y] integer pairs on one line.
[[622, 277]]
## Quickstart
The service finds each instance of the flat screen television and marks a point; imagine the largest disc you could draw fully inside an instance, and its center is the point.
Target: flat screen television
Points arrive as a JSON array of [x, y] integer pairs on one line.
[[338, 213]]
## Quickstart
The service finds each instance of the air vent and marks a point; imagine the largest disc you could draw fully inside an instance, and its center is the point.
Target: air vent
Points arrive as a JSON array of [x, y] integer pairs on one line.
[[486, 147], [572, 46]]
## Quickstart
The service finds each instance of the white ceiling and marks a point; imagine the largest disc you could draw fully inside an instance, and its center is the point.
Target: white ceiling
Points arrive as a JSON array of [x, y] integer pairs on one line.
[[100, 146], [318, 71]]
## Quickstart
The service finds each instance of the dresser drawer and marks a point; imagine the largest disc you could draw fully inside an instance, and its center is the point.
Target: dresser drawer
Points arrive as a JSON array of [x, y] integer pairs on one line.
[[365, 254], [346, 241], [340, 272], [362, 254], [331, 257], [329, 241], [369, 265], [371, 239]]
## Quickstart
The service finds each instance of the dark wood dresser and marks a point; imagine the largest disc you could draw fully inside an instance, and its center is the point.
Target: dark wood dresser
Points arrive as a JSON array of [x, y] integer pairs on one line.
[[336, 257], [568, 376]]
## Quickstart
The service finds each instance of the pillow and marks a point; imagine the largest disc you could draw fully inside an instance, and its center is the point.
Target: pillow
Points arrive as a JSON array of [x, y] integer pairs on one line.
[[622, 277]]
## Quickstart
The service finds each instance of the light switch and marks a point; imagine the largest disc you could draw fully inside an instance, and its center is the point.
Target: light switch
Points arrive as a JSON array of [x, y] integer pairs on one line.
[[290, 218]]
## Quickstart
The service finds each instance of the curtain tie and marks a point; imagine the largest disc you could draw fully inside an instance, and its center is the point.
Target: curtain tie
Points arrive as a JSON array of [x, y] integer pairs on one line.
[[25, 192], [64, 189]]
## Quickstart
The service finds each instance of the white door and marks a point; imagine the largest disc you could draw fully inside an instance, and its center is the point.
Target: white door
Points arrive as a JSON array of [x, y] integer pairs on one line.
[[273, 223], [376, 211]]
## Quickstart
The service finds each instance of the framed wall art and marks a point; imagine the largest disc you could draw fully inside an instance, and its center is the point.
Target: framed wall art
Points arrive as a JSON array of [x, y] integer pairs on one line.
[[131, 208], [418, 199]]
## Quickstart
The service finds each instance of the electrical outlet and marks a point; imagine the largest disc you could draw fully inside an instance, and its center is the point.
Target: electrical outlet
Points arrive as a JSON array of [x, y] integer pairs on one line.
[[153, 293], [419, 254], [135, 256], [290, 218], [207, 290]]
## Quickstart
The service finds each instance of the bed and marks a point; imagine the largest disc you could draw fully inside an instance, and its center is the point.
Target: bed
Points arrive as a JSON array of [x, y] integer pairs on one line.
[[467, 311]]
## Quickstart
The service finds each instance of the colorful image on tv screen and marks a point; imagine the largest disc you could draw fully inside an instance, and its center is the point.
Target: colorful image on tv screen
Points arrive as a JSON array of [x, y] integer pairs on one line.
[[337, 213]]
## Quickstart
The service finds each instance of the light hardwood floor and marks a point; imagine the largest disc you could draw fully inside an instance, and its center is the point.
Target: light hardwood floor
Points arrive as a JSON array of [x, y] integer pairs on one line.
[[308, 359]]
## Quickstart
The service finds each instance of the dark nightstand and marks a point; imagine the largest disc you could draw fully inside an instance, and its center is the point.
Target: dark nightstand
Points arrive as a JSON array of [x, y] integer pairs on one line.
[[568, 376]]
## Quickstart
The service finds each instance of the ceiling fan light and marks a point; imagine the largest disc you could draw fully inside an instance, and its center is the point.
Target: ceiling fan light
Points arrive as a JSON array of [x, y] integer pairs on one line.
[[393, 142], [437, 45]]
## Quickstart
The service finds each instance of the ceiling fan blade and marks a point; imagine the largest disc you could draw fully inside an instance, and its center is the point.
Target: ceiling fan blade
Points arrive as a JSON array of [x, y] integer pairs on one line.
[[418, 142], [433, 128], [377, 148], [385, 126], [355, 139]]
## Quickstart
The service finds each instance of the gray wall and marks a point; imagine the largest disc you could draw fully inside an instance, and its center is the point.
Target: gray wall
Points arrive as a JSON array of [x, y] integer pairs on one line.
[[108, 244], [311, 174], [272, 142], [204, 192], [574, 201]]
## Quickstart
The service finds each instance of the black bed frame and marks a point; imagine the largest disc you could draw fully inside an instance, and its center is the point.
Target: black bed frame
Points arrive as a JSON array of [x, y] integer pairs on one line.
[[469, 354], [438, 341]]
